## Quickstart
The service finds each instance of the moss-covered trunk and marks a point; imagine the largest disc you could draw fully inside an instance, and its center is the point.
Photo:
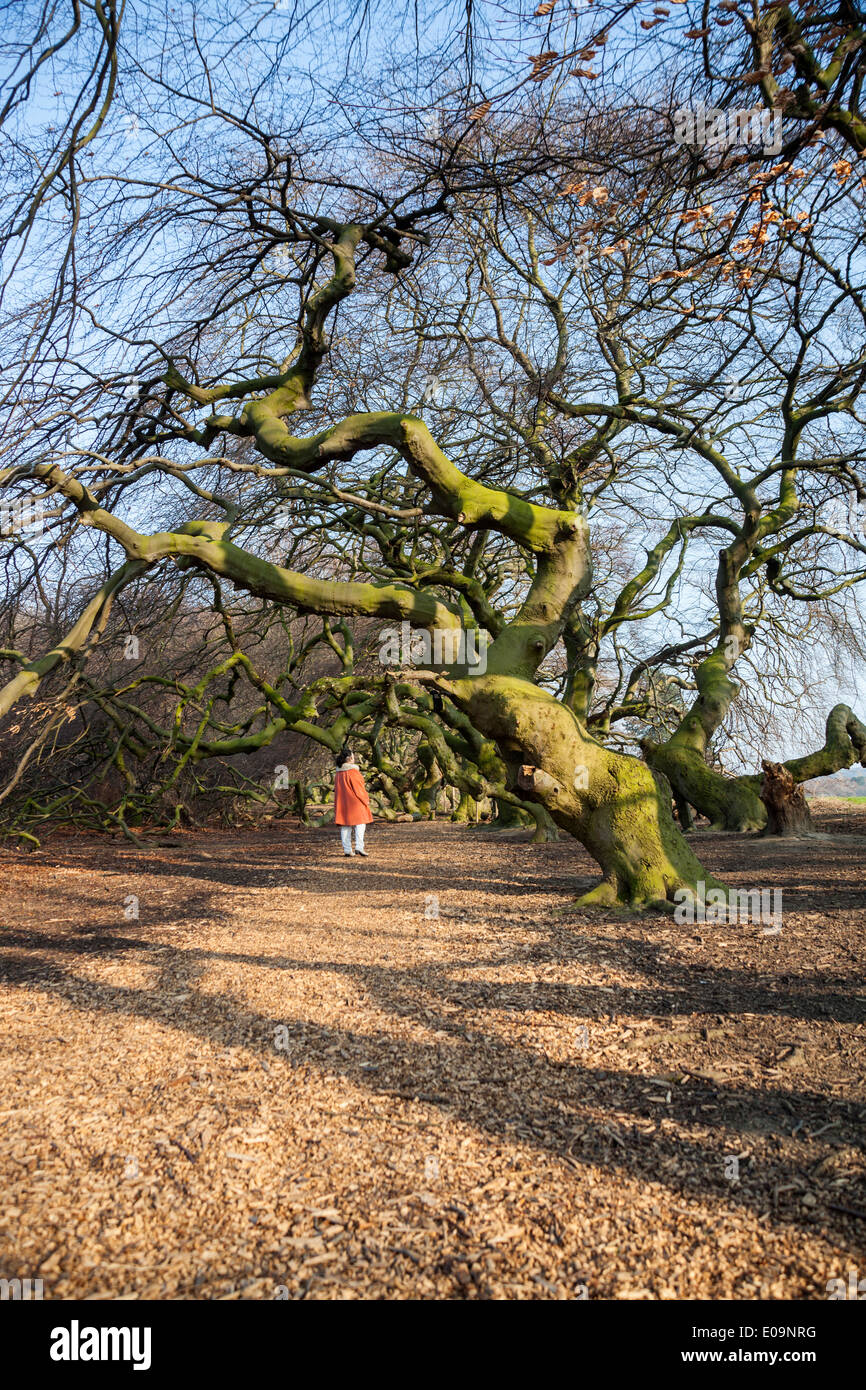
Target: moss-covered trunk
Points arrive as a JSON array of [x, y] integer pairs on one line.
[[467, 810], [432, 786], [844, 745], [509, 815], [729, 803], [611, 803], [546, 829], [735, 803]]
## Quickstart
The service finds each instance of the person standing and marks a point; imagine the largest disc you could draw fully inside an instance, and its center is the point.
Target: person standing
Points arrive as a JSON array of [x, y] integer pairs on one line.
[[351, 802]]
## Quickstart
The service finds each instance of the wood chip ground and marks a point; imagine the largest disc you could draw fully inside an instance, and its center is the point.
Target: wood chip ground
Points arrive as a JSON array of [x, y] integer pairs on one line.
[[424, 1074]]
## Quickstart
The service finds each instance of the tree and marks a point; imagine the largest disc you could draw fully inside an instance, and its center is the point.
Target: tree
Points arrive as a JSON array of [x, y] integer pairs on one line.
[[245, 287]]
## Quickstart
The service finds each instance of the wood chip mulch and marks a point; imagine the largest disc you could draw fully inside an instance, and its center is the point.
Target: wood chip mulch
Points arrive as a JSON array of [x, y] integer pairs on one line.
[[287, 1076]]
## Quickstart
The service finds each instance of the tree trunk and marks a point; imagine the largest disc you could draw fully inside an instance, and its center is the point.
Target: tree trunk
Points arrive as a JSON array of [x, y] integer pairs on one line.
[[737, 803], [390, 793], [844, 745], [466, 812], [301, 795], [787, 809], [510, 816], [611, 803], [729, 803], [431, 787], [546, 831], [684, 811]]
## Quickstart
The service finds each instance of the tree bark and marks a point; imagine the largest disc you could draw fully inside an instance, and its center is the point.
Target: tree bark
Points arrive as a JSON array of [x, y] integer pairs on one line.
[[467, 810], [684, 811], [787, 809], [729, 803], [611, 803], [735, 803], [510, 816]]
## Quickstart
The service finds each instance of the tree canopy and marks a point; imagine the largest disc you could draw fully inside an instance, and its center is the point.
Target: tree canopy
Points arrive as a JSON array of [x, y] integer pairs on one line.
[[500, 408]]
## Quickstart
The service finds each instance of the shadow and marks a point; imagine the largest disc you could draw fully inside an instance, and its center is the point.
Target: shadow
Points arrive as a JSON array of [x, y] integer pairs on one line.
[[610, 1106], [580, 1110]]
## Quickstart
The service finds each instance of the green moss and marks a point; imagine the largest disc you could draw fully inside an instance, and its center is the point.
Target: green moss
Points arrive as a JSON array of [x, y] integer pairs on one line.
[[611, 803], [729, 803]]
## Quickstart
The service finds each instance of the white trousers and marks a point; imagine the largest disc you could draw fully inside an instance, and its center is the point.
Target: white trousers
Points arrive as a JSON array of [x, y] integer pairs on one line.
[[346, 837]]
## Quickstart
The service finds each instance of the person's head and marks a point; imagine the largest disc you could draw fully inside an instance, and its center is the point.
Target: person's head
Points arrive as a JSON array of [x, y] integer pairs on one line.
[[345, 755]]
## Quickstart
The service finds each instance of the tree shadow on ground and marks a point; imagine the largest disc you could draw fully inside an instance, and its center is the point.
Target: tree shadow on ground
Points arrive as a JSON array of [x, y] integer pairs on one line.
[[581, 1112]]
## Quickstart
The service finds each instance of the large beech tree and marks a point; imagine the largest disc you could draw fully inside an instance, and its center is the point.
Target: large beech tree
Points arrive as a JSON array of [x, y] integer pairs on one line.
[[701, 368], [422, 376], [610, 802]]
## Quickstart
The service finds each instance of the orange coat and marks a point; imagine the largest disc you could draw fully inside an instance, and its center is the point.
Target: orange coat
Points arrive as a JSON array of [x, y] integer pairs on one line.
[[352, 804]]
